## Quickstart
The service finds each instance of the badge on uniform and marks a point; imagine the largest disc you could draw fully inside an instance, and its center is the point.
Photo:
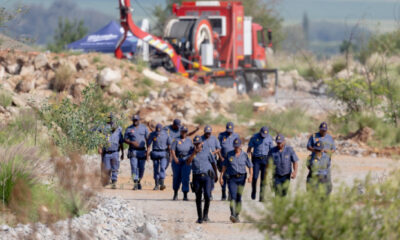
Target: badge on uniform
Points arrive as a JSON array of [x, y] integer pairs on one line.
[[179, 142], [230, 159], [230, 127], [265, 131], [133, 130], [224, 140], [154, 139], [317, 139]]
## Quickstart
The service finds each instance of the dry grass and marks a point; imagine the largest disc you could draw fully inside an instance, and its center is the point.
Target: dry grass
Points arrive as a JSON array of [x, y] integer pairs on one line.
[[63, 78]]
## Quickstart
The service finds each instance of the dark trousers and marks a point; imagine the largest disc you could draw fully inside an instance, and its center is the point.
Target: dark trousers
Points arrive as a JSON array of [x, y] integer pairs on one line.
[[236, 187], [181, 174], [159, 168], [281, 184], [110, 167], [138, 165], [317, 181], [259, 166], [202, 185]]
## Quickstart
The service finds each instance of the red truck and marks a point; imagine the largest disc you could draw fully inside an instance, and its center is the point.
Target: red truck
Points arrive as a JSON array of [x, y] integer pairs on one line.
[[209, 42]]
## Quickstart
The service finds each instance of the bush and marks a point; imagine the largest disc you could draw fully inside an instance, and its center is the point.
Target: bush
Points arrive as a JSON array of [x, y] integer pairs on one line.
[[74, 127], [243, 110], [366, 210], [147, 82], [206, 118], [62, 79], [312, 74], [338, 66], [5, 99]]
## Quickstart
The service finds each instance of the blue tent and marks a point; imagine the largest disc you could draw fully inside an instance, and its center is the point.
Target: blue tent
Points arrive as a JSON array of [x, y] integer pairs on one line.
[[105, 40]]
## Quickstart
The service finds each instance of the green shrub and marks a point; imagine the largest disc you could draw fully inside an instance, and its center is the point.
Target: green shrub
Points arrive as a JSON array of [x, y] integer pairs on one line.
[[96, 59], [366, 210], [72, 126], [206, 118], [338, 66], [5, 99], [243, 110], [312, 74], [147, 82]]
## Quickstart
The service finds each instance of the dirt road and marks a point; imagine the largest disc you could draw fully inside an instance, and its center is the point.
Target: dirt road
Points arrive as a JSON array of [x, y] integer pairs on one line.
[[178, 217]]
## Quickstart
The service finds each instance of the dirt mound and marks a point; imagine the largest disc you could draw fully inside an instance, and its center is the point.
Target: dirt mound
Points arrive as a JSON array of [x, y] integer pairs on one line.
[[11, 44], [362, 135]]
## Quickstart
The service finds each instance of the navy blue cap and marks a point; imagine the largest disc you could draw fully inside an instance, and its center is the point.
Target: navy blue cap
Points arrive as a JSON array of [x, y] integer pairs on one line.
[[229, 127], [237, 142], [197, 140], [184, 129], [177, 122], [323, 126], [264, 131], [208, 129], [318, 146], [159, 127], [135, 117], [280, 138]]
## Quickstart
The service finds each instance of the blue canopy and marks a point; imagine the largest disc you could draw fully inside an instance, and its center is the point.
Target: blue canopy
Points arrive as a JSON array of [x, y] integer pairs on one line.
[[105, 40]]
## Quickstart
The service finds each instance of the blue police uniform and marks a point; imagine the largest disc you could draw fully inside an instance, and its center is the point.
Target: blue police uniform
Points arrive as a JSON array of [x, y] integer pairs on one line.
[[327, 141], [172, 133], [202, 179], [183, 148], [282, 161], [160, 142], [110, 158], [236, 175], [320, 170], [137, 156], [226, 141], [261, 146], [211, 143]]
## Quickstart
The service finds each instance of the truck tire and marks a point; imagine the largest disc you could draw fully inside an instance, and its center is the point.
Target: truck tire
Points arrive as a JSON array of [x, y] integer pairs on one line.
[[241, 86], [254, 83], [201, 33]]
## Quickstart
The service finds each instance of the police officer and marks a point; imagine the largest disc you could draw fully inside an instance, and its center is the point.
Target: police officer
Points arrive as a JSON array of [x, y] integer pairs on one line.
[[160, 142], [204, 170], [226, 141], [109, 152], [284, 159], [319, 166], [259, 146], [323, 137], [211, 143], [173, 130], [181, 149], [234, 166], [136, 136]]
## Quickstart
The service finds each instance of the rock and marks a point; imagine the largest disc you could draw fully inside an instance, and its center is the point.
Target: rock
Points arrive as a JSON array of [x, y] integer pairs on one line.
[[153, 95], [18, 102], [76, 90], [13, 68], [108, 76], [114, 90], [4, 228], [27, 70], [82, 81], [82, 64], [26, 85], [40, 61], [260, 106], [66, 63], [285, 81], [151, 231], [304, 85], [154, 76], [2, 73], [344, 74]]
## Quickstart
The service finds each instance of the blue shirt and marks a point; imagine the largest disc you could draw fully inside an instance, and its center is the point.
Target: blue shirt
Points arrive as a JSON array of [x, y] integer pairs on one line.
[[237, 164], [320, 165], [327, 140], [202, 162], [261, 146], [226, 142], [159, 140], [210, 143], [283, 160], [182, 148], [114, 139], [137, 133], [172, 133]]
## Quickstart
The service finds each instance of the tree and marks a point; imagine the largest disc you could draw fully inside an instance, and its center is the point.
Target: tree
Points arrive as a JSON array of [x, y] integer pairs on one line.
[[67, 32]]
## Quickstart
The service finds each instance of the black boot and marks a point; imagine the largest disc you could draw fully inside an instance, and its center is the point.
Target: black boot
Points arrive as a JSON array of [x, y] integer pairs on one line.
[[156, 187], [199, 211], [253, 189], [113, 184], [162, 186], [205, 213], [135, 185], [223, 198], [175, 195], [139, 185], [185, 197]]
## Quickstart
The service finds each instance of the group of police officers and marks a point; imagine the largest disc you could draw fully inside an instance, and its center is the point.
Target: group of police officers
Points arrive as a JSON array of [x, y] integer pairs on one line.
[[207, 155]]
